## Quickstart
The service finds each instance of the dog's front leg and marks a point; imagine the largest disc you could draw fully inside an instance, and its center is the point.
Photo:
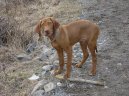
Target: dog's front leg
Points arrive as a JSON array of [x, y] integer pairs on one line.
[[61, 61], [69, 62]]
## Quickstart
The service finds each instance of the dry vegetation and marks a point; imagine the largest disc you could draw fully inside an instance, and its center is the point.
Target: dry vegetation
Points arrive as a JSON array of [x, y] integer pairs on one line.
[[17, 21]]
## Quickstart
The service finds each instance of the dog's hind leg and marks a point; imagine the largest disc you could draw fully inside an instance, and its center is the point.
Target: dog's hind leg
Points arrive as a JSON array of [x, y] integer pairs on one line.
[[92, 48], [83, 45]]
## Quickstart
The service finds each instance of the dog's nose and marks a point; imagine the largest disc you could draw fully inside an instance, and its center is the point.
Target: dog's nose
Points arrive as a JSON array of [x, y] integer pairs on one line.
[[46, 32]]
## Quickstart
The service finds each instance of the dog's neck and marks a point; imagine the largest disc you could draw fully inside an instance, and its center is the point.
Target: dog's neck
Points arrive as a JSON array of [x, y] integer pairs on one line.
[[54, 36]]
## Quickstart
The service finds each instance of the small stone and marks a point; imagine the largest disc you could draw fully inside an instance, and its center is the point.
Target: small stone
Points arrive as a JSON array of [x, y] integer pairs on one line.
[[50, 86], [38, 93], [31, 47], [91, 86], [43, 57], [33, 77], [45, 54], [46, 74], [100, 22], [52, 58], [52, 72], [56, 61], [105, 87], [119, 64], [98, 75], [23, 57], [71, 85], [43, 73], [47, 67], [106, 68], [40, 85], [59, 84]]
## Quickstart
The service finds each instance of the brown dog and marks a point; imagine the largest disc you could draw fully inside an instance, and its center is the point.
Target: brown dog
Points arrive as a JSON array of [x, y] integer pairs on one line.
[[63, 37]]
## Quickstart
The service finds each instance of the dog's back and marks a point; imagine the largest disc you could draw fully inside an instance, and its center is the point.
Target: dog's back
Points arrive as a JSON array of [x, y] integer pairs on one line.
[[82, 30]]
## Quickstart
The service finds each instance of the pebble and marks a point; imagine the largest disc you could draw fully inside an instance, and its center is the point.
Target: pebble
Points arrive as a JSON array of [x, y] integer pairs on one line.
[[31, 47], [71, 85], [38, 93], [119, 64], [33, 77], [47, 67], [59, 84], [23, 57], [52, 72], [50, 86], [45, 73], [105, 87], [39, 85], [106, 68]]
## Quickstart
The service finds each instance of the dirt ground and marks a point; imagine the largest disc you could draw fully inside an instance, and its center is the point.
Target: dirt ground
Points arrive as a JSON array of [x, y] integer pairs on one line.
[[113, 47]]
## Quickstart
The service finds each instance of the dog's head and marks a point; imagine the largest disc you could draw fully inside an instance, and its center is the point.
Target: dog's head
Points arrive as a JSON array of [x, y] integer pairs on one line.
[[47, 27]]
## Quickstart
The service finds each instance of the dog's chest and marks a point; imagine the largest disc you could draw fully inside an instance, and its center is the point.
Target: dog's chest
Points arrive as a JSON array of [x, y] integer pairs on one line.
[[55, 44]]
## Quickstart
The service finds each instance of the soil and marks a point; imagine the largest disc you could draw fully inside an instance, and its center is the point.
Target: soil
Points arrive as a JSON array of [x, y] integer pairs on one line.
[[113, 49]]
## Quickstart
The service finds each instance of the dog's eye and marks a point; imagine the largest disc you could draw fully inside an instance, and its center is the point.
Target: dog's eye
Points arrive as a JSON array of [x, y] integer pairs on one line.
[[41, 22]]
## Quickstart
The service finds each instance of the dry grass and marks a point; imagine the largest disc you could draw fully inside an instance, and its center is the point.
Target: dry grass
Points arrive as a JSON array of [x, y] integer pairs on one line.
[[14, 79], [13, 75], [20, 18]]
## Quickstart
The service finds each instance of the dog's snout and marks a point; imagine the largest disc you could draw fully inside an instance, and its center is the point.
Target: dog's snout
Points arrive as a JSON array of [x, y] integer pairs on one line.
[[46, 31]]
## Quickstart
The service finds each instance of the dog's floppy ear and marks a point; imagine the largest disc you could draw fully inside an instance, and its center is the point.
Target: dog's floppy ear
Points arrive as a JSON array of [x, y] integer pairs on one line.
[[56, 24], [38, 29]]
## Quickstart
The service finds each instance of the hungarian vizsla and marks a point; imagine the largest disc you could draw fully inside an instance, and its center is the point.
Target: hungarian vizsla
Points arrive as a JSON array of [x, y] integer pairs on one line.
[[63, 37]]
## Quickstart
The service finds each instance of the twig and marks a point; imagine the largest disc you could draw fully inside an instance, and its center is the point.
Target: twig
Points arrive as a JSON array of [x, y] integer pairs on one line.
[[81, 80]]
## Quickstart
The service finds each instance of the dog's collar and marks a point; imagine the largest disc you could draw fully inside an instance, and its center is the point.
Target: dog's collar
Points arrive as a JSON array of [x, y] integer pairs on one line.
[[53, 40], [56, 35]]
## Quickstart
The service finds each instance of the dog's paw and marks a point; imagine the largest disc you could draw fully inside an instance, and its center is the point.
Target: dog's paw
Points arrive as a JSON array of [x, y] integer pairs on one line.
[[56, 72], [78, 66], [66, 76], [92, 73]]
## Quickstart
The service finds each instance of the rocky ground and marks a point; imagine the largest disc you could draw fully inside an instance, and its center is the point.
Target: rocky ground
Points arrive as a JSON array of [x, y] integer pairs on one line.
[[113, 53]]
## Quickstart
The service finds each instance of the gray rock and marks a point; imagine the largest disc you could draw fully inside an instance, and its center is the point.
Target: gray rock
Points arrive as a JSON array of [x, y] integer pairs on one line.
[[40, 85], [23, 57], [59, 84], [50, 86], [45, 54], [52, 58], [33, 77], [47, 67], [31, 47], [119, 64], [45, 74], [105, 87], [43, 57], [38, 93], [71, 85]]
